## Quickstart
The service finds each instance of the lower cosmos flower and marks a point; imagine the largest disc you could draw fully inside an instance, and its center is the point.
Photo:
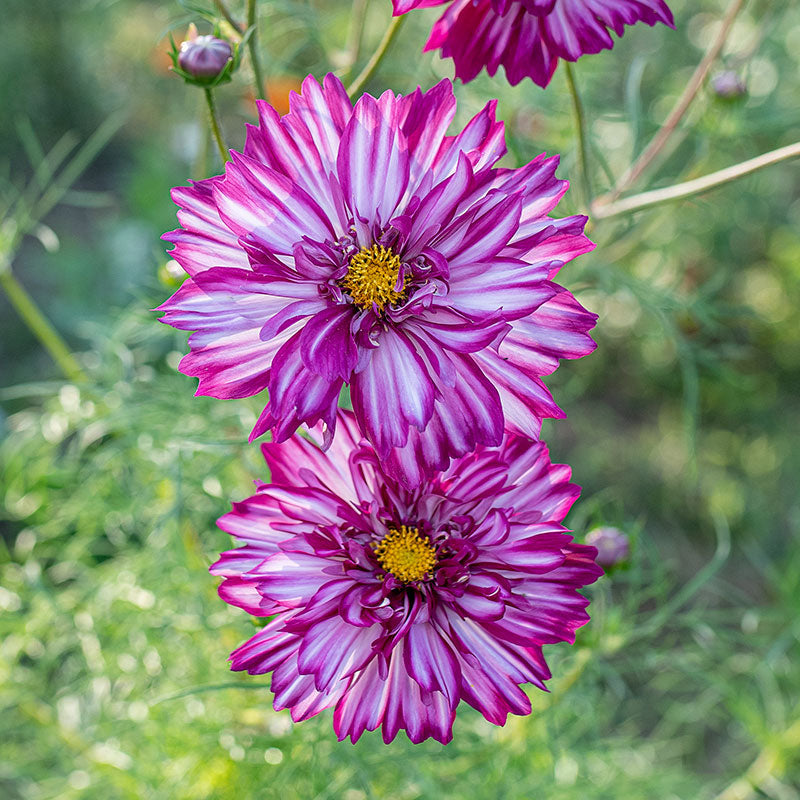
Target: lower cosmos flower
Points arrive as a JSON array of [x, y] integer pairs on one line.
[[529, 36], [391, 606], [365, 246]]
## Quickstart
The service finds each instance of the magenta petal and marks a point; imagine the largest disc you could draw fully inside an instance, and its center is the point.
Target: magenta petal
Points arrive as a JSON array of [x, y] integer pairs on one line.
[[372, 145], [326, 344], [431, 662], [392, 393]]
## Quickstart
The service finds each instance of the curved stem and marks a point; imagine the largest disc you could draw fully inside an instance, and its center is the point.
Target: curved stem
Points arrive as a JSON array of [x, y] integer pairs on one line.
[[580, 125], [377, 56], [358, 14], [770, 760], [40, 326], [679, 109], [223, 9], [215, 129], [602, 209], [252, 47]]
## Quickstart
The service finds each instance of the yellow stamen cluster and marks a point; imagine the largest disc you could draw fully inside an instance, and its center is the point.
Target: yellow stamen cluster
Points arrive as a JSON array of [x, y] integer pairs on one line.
[[372, 277], [406, 554]]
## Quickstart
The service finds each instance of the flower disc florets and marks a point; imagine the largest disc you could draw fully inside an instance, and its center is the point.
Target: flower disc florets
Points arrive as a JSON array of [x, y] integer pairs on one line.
[[391, 606], [528, 37], [373, 278], [405, 554], [365, 246]]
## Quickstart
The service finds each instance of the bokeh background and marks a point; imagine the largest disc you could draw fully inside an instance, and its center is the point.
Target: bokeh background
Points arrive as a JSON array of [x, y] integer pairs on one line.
[[682, 428]]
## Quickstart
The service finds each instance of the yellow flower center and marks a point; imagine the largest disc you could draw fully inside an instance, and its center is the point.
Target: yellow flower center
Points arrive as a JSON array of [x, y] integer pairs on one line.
[[372, 278], [406, 554]]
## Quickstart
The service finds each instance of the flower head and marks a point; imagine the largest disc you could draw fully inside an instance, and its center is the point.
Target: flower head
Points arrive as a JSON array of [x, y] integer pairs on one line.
[[392, 605], [529, 36], [729, 85], [366, 246], [204, 60], [611, 543]]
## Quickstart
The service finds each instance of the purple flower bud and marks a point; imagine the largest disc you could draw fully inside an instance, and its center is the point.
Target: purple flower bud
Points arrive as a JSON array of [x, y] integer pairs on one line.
[[611, 543], [204, 56], [728, 85]]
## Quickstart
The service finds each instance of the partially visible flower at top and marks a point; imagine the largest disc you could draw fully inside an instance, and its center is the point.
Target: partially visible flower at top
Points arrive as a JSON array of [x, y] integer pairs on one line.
[[611, 543], [528, 37], [729, 85], [365, 246], [204, 60], [391, 606]]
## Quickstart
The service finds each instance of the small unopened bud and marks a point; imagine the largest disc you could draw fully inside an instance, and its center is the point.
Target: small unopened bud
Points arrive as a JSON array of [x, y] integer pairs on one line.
[[205, 56], [611, 543], [204, 60], [728, 85]]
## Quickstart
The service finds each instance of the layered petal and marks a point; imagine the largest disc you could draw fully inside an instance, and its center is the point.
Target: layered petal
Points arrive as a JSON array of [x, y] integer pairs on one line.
[[528, 37]]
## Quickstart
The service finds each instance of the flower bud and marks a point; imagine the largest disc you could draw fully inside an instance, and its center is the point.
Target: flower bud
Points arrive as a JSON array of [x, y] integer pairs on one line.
[[204, 56], [611, 543], [204, 61], [728, 85]]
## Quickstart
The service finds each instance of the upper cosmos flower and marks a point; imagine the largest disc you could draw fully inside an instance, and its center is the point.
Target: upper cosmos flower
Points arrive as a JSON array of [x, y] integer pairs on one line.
[[364, 246], [392, 605], [529, 36]]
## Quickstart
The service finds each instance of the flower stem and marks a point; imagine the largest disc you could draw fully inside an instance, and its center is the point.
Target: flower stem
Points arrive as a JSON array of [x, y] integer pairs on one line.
[[252, 46], [388, 37], [40, 326], [355, 34], [770, 760], [580, 126], [602, 208], [656, 145], [223, 9], [214, 123]]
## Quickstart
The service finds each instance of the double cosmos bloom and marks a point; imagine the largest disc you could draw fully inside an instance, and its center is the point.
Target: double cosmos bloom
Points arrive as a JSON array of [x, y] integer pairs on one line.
[[392, 605], [528, 37], [365, 246]]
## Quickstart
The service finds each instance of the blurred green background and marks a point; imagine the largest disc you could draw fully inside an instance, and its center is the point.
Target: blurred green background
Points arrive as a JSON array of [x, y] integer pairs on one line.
[[682, 428]]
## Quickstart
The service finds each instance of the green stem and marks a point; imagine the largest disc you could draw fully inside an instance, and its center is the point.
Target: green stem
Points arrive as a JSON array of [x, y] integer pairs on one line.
[[355, 34], [580, 125], [40, 326], [771, 762], [252, 46], [215, 129], [388, 37], [665, 132], [223, 9], [602, 209]]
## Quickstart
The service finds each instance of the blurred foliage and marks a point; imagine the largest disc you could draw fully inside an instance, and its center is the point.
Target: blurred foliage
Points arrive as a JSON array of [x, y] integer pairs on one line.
[[682, 428]]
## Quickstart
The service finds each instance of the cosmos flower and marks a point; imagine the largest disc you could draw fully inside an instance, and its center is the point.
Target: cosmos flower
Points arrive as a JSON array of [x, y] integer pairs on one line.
[[392, 605], [365, 246], [529, 36]]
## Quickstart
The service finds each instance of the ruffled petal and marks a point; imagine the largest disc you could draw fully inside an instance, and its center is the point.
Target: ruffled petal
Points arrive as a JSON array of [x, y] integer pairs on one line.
[[373, 161], [203, 240], [393, 392]]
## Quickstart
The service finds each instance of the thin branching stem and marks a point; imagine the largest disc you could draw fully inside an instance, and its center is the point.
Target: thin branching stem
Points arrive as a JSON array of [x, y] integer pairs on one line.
[[252, 47], [580, 132], [388, 37], [602, 209], [769, 762], [216, 132], [223, 9], [680, 108], [355, 35], [40, 326]]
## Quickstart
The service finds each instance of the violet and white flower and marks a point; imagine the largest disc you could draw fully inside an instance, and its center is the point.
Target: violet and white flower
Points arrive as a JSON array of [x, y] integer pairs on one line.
[[392, 605], [528, 37], [366, 246]]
